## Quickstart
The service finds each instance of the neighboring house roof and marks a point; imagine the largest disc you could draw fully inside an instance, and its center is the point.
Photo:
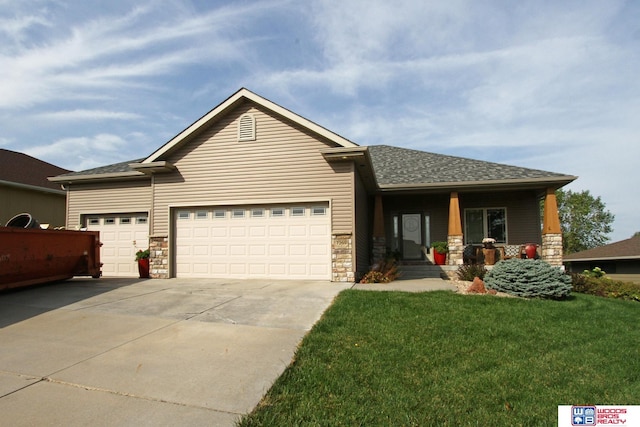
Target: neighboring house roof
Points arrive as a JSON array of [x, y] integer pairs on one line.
[[116, 169], [624, 249], [26, 171], [397, 167]]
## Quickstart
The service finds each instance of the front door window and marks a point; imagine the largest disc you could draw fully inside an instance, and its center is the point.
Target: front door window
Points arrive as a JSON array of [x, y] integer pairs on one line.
[[411, 236]]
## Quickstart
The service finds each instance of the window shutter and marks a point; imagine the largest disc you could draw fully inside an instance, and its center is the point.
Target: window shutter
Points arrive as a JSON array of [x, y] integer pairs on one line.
[[247, 128]]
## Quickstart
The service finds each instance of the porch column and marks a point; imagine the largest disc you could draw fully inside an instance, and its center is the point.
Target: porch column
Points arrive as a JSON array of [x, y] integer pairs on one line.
[[551, 230], [454, 234], [379, 249]]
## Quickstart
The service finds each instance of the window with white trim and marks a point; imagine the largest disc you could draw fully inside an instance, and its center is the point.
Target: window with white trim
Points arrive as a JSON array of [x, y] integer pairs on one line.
[[184, 215], [297, 211], [237, 213], [247, 128], [257, 212], [202, 214], [485, 222], [109, 221], [219, 214], [93, 221], [141, 220], [125, 220]]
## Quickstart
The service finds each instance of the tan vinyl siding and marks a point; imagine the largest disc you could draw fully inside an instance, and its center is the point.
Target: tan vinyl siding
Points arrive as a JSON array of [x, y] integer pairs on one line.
[[283, 164], [109, 197], [362, 227]]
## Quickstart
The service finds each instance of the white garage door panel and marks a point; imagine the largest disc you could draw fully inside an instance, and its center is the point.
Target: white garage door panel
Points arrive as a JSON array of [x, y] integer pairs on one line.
[[121, 235], [254, 241]]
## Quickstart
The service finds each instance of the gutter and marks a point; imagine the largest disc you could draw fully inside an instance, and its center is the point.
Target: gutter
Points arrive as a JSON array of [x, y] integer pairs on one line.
[[33, 187], [616, 258], [70, 179]]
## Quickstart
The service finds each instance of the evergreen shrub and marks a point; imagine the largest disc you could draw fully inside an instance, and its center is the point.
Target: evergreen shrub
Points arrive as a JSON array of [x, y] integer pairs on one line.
[[528, 278], [605, 287]]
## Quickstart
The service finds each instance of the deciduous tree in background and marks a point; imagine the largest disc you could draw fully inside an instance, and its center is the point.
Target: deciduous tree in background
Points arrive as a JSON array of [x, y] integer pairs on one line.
[[584, 220]]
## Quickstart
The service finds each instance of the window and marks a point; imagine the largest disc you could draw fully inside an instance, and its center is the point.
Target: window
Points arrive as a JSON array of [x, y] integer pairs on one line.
[[183, 215], [275, 212], [219, 214], [247, 128], [125, 220], [318, 211], [93, 221], [237, 213], [257, 212], [488, 222], [297, 211], [141, 220], [202, 214], [109, 221]]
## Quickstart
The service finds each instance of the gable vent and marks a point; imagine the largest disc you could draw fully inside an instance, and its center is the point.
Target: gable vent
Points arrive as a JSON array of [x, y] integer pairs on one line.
[[247, 128]]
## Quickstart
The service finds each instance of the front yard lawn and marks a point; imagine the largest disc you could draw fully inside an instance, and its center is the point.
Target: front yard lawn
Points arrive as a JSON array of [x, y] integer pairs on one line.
[[443, 359]]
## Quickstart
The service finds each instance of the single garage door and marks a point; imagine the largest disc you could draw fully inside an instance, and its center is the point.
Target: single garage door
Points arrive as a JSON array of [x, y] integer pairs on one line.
[[279, 241], [122, 235]]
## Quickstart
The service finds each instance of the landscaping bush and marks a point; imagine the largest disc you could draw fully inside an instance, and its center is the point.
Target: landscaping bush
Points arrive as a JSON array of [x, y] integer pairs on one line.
[[470, 271], [384, 272], [528, 278], [605, 287]]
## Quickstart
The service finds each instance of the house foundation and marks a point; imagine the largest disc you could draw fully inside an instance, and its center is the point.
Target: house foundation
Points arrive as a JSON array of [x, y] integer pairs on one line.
[[159, 257], [456, 248]]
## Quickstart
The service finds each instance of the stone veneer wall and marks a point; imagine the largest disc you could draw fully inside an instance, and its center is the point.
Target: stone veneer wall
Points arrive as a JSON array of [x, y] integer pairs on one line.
[[456, 248], [552, 249], [159, 257], [342, 258]]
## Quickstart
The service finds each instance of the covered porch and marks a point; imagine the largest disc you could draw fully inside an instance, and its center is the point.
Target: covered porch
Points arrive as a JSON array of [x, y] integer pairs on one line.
[[407, 223]]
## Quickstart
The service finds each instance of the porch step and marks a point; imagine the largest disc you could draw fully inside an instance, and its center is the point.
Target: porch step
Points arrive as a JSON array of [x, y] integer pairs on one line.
[[424, 270]]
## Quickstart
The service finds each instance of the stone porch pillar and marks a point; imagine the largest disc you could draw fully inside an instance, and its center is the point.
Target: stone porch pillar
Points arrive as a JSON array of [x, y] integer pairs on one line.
[[159, 257], [551, 230], [379, 249], [454, 234]]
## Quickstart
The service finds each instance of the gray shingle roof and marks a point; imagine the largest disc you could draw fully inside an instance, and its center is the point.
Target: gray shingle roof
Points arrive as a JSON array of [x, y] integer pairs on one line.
[[24, 169], [395, 165], [629, 248], [114, 168]]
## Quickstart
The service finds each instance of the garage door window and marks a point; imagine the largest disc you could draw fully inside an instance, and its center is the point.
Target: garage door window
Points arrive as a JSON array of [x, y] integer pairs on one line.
[[109, 221], [318, 211], [141, 220], [277, 212], [238, 213], [93, 221], [219, 214], [257, 213], [184, 215], [297, 211], [125, 220], [202, 215]]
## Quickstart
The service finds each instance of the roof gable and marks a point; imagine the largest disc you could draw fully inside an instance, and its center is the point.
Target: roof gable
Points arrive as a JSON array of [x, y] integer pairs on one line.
[[230, 103], [23, 169], [624, 249], [400, 167]]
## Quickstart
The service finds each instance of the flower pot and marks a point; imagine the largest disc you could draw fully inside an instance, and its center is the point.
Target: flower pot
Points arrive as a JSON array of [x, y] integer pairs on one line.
[[143, 268], [438, 258], [489, 256], [531, 249]]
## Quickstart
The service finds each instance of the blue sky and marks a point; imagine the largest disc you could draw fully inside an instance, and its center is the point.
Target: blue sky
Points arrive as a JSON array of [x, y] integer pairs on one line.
[[550, 85]]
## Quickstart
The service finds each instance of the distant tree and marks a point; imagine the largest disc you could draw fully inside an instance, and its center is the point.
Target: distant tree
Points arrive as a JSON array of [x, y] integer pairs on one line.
[[584, 220], [636, 234]]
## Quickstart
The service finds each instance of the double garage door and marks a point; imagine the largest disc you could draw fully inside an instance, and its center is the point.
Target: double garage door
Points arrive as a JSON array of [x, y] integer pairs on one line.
[[266, 241]]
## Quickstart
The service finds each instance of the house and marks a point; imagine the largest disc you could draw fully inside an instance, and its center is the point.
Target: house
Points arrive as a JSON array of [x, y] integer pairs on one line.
[[24, 187], [618, 258], [252, 189]]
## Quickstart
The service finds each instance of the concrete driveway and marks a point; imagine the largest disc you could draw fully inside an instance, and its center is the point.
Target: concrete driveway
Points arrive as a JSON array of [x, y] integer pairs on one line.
[[149, 352]]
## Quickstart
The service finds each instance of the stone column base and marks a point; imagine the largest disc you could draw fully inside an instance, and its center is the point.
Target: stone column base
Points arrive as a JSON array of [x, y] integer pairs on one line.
[[159, 257], [551, 250], [456, 248]]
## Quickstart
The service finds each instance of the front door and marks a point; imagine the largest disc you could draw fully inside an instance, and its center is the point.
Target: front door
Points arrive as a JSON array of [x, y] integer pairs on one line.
[[411, 236]]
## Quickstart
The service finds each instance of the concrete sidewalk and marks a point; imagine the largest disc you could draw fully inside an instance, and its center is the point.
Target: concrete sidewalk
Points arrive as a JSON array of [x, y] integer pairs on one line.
[[149, 353]]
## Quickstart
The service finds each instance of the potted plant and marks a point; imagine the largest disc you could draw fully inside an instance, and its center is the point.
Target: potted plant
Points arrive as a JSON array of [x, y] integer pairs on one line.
[[143, 263], [440, 250]]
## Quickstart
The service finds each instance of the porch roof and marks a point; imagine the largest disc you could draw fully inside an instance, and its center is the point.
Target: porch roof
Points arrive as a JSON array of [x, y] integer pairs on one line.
[[402, 168]]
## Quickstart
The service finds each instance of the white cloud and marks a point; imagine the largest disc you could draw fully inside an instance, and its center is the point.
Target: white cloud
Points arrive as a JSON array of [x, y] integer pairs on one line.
[[80, 114]]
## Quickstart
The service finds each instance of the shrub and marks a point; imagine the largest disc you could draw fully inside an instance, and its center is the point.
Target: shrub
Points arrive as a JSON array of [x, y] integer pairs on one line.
[[470, 271], [528, 278], [384, 272], [605, 287], [596, 272]]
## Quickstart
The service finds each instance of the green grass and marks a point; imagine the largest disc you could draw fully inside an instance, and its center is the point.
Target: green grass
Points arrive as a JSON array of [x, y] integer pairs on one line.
[[442, 359]]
